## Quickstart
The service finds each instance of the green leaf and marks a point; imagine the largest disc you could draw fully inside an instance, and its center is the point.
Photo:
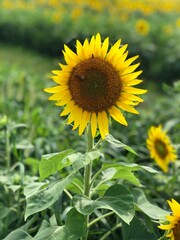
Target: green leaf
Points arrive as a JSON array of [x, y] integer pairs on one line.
[[128, 176], [14, 188], [117, 199], [170, 124], [51, 163], [128, 166], [44, 198], [24, 144], [75, 223], [124, 171], [77, 185], [148, 208], [33, 188], [18, 234], [33, 163], [136, 231], [52, 232], [119, 144], [21, 233], [54, 162], [113, 173], [4, 211], [81, 160]]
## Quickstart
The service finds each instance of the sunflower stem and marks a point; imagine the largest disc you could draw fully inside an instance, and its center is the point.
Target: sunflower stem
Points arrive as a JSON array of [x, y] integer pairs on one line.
[[8, 150], [87, 174], [110, 231]]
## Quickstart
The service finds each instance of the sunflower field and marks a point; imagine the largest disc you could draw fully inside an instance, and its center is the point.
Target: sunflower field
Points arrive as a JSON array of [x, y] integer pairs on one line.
[[89, 120]]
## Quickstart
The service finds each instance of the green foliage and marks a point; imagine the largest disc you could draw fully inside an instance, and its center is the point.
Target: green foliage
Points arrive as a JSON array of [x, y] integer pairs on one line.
[[137, 231], [117, 199], [126, 190], [154, 212], [45, 197], [75, 223], [51, 163]]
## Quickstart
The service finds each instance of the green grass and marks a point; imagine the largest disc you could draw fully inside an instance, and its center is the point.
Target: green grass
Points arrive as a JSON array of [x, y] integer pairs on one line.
[[24, 72]]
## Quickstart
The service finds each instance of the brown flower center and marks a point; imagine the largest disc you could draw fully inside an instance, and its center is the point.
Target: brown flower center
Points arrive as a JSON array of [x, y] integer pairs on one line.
[[161, 148], [94, 85], [176, 231]]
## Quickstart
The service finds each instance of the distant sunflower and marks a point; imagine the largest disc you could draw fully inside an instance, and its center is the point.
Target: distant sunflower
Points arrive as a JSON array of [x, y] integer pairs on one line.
[[142, 27], [95, 84], [160, 147], [173, 227]]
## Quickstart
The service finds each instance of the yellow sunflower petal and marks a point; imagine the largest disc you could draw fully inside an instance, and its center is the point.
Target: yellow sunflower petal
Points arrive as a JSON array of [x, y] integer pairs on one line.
[[91, 46], [97, 47], [172, 219], [130, 60], [65, 68], [68, 108], [80, 50], [64, 99], [174, 206], [93, 124], [130, 97], [84, 121], [56, 89], [117, 115], [170, 235], [130, 69], [70, 53], [126, 107], [113, 50], [57, 96], [130, 76], [105, 47], [165, 227], [69, 59], [133, 82], [103, 123], [119, 65], [177, 205], [72, 114], [133, 90], [78, 118], [86, 48], [60, 80], [119, 53]]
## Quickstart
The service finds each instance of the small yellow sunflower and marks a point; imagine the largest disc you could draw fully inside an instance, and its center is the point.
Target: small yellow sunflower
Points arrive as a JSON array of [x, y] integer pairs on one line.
[[160, 147], [142, 27], [173, 227], [97, 82]]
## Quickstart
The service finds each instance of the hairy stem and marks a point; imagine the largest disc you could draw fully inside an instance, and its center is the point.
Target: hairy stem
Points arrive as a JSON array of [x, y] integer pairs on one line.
[[87, 175], [99, 218], [110, 231]]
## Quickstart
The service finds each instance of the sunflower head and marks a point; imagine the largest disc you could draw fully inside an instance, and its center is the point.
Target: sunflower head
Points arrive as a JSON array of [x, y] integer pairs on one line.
[[160, 147], [96, 83], [173, 226], [142, 27]]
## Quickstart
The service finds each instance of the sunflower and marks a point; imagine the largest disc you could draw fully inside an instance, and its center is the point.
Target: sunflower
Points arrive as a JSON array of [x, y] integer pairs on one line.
[[142, 27], [96, 82], [173, 227], [160, 147]]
